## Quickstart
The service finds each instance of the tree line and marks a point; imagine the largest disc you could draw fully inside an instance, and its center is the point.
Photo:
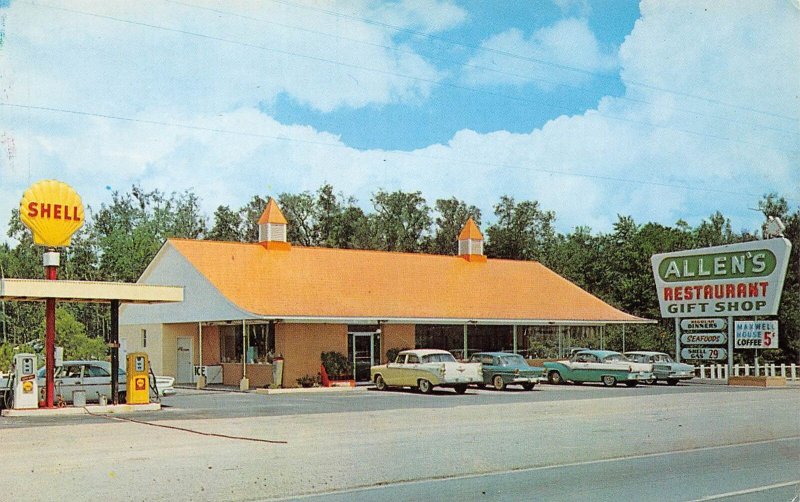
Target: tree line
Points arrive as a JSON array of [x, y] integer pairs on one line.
[[120, 238]]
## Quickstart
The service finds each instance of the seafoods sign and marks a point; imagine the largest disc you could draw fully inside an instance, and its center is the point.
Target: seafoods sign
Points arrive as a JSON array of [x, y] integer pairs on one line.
[[53, 211], [732, 280]]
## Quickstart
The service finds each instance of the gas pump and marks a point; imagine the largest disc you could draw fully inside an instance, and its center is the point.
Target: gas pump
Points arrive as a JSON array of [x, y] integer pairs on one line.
[[26, 391], [138, 384]]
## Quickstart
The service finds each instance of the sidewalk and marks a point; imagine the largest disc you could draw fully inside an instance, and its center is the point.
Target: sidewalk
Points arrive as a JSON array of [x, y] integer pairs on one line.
[[269, 391]]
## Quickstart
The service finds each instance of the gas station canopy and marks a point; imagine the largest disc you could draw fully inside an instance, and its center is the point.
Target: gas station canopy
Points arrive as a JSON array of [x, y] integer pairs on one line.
[[87, 291]]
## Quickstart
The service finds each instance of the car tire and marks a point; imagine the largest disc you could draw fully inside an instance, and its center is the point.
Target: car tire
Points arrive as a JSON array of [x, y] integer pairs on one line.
[[123, 398], [528, 386], [652, 381], [460, 388], [425, 386], [609, 381], [380, 383], [672, 381], [555, 378], [631, 383], [498, 382]]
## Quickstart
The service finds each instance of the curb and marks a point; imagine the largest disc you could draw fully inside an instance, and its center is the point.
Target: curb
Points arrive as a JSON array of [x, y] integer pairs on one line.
[[88, 410]]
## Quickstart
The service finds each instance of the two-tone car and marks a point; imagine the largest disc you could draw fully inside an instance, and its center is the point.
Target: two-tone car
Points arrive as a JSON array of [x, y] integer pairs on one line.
[[501, 369], [425, 369], [604, 366], [664, 368]]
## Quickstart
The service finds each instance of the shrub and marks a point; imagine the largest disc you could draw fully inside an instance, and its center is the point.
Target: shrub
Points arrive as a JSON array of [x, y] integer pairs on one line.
[[309, 381], [336, 364]]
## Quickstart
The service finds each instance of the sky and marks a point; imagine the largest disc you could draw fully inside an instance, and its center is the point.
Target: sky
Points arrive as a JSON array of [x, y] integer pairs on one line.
[[661, 110]]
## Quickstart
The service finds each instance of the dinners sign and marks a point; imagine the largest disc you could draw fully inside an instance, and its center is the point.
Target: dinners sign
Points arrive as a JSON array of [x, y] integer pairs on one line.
[[732, 280]]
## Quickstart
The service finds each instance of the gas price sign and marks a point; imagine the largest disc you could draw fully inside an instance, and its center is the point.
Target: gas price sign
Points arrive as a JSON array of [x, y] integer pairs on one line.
[[708, 353], [756, 334]]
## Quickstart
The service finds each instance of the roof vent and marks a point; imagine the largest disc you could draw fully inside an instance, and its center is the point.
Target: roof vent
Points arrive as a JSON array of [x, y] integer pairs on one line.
[[470, 242], [272, 228]]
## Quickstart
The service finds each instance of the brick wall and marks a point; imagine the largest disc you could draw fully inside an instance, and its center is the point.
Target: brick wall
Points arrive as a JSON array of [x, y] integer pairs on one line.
[[396, 336], [301, 345]]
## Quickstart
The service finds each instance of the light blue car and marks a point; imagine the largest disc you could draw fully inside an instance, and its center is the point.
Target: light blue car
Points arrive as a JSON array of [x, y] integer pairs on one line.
[[603, 366], [664, 368]]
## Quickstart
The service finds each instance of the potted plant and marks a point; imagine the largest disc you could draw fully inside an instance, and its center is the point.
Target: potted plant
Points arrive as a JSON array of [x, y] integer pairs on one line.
[[335, 370]]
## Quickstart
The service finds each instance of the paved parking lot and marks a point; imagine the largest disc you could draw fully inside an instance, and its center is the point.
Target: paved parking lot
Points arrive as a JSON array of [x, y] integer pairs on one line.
[[210, 404], [370, 445]]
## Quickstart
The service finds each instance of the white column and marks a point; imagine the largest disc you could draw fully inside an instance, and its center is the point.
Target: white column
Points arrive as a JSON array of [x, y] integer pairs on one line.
[[244, 384]]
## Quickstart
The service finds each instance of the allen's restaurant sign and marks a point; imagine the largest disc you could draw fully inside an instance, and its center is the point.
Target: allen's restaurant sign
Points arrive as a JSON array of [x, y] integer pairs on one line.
[[743, 279], [53, 211]]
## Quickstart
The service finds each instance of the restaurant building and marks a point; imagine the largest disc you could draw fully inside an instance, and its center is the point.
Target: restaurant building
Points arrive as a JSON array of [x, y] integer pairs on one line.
[[247, 303]]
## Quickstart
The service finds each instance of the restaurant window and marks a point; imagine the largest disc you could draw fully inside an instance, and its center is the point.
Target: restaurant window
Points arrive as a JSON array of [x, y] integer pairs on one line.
[[260, 343]]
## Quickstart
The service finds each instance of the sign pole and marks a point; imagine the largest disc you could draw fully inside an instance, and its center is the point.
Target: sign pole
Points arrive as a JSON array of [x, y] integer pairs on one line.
[[678, 339], [51, 260], [730, 345], [114, 346]]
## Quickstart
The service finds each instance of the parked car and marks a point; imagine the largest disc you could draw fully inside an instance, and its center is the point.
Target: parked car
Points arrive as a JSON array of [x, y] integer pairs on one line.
[[502, 368], [426, 369], [664, 368], [94, 377], [598, 366]]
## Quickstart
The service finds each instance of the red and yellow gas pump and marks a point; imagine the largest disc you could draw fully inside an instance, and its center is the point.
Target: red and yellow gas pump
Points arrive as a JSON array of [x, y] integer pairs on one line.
[[138, 384]]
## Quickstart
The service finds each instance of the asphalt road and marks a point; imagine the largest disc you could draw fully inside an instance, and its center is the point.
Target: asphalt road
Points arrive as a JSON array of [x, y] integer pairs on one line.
[[759, 471], [554, 443]]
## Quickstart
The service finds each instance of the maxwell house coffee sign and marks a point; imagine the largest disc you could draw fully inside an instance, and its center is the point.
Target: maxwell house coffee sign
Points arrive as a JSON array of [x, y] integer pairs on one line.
[[53, 211], [743, 279]]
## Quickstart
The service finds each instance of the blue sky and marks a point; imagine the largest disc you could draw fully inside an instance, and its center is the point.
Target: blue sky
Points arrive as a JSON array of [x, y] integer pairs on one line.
[[662, 110]]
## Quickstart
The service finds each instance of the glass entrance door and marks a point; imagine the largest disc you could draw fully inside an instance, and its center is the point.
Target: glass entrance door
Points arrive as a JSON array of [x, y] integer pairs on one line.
[[364, 352]]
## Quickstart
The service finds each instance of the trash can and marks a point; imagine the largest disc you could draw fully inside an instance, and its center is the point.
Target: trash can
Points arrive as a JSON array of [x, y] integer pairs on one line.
[[79, 398]]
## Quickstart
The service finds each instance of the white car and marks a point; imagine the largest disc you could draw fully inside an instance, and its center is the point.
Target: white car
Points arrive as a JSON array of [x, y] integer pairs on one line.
[[94, 377], [426, 369]]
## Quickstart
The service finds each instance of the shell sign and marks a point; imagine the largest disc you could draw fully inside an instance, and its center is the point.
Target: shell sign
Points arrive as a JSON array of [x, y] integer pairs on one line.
[[53, 211]]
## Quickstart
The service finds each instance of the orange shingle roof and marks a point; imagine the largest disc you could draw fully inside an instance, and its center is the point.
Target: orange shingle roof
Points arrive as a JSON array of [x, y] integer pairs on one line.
[[272, 214], [323, 282], [470, 231]]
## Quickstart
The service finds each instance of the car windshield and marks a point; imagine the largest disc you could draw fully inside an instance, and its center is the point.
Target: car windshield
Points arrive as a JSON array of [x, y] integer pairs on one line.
[[512, 360], [616, 357], [438, 358]]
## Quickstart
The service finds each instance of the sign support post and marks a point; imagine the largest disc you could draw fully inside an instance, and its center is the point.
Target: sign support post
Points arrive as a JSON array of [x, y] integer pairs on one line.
[[51, 261], [678, 339], [730, 346]]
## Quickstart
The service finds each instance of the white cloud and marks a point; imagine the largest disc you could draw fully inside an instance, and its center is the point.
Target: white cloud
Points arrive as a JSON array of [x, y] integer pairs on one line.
[[236, 53], [569, 43], [627, 157]]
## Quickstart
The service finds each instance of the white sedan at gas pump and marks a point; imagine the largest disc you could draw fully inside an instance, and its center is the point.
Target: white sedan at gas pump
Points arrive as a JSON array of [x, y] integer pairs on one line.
[[94, 378]]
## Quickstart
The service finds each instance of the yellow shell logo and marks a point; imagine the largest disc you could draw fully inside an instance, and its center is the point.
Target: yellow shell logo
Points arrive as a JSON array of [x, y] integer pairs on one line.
[[53, 211]]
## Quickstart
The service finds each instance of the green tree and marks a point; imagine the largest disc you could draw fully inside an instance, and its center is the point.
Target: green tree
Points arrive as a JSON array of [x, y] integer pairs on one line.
[[300, 211], [71, 335], [131, 230], [227, 225], [401, 220], [523, 231]]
